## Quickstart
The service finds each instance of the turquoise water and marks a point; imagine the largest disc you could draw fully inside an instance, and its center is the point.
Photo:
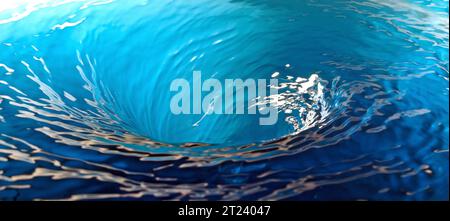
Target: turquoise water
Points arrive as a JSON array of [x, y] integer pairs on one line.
[[85, 100]]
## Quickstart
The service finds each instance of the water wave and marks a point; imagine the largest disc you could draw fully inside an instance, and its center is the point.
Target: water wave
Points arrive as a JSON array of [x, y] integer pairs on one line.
[[84, 100]]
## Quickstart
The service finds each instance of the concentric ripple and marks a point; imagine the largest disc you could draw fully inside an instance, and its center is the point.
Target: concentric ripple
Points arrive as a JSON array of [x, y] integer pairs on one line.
[[84, 100]]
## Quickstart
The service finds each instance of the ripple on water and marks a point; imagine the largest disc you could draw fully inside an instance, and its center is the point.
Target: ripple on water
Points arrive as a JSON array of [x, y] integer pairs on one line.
[[84, 100]]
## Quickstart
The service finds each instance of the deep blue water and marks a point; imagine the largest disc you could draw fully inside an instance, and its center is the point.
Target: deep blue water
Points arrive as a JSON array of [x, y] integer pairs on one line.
[[84, 100]]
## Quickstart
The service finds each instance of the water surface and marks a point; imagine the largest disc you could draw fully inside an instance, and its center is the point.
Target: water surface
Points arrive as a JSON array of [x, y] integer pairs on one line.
[[85, 100]]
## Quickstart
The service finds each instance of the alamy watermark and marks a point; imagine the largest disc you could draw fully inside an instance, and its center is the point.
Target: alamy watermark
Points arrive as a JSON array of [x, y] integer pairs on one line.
[[230, 96]]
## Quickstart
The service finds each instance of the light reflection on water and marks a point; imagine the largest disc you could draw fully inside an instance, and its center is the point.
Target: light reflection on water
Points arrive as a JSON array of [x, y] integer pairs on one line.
[[84, 100]]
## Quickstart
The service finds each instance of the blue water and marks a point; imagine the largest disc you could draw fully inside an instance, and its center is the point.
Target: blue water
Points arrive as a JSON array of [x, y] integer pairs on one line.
[[84, 100]]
